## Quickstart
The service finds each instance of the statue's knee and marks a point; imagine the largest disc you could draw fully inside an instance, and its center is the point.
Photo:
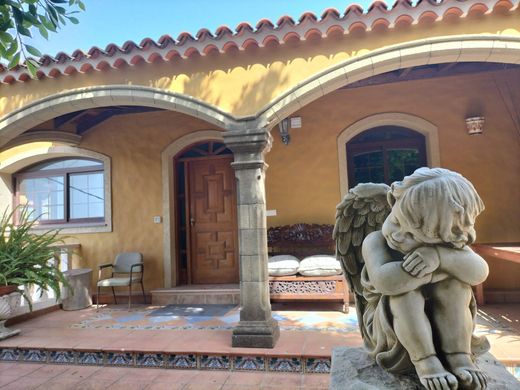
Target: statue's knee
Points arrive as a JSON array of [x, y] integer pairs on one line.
[[406, 302], [451, 288]]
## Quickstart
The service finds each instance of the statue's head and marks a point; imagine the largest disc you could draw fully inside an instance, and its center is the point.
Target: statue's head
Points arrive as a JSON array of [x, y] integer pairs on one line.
[[433, 206]]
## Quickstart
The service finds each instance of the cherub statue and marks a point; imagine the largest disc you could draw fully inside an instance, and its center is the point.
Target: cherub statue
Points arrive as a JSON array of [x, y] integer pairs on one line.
[[404, 250]]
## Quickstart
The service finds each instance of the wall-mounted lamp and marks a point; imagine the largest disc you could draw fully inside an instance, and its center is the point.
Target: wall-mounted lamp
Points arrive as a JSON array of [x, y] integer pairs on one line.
[[475, 125], [286, 124], [284, 131]]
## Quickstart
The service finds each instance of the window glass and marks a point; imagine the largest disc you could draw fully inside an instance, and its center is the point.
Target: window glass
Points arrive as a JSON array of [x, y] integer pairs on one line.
[[86, 195], [64, 190], [65, 164], [44, 197], [384, 154]]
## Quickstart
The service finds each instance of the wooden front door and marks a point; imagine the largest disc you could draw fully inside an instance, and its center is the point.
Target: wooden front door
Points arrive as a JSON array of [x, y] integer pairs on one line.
[[212, 221]]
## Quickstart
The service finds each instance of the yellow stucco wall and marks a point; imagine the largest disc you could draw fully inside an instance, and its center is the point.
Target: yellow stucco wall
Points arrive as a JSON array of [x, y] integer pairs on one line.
[[241, 83], [134, 143], [302, 179]]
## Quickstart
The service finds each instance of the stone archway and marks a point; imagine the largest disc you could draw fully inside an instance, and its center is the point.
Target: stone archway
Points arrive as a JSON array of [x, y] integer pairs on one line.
[[50, 107], [454, 49]]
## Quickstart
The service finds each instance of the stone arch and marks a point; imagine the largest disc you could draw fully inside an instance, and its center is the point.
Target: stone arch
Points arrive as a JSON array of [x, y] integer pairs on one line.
[[168, 180], [412, 122], [459, 48], [62, 103], [42, 151]]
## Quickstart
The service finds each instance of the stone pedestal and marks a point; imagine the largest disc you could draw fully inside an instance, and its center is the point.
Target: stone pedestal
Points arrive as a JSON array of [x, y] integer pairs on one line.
[[353, 369], [257, 328], [79, 297]]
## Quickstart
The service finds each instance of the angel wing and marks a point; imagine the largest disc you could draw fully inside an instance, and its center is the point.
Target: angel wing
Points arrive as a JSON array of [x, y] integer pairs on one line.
[[362, 211]]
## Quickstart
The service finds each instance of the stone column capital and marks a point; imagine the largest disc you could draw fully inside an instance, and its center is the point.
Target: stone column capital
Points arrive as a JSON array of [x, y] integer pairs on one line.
[[249, 145]]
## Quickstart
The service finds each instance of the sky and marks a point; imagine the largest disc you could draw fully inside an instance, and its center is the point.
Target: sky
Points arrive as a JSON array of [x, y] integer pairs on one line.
[[117, 21]]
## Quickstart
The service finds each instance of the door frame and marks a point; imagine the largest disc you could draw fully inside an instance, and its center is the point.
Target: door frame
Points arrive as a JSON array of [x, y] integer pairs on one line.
[[180, 279]]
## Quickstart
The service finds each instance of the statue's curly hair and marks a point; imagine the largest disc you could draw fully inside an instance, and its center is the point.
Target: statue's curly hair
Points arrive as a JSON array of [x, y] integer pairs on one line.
[[441, 204]]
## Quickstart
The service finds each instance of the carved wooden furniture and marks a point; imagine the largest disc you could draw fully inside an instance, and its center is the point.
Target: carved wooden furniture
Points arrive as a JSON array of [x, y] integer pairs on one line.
[[302, 240]]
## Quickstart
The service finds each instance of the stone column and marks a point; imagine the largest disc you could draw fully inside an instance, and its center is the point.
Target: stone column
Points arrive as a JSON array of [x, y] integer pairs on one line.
[[256, 328]]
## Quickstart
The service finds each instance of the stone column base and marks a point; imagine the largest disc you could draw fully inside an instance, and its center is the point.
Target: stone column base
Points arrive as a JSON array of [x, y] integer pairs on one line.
[[256, 334]]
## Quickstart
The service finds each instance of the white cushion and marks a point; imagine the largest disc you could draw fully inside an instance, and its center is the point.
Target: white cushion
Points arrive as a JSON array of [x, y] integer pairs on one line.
[[283, 265], [319, 265]]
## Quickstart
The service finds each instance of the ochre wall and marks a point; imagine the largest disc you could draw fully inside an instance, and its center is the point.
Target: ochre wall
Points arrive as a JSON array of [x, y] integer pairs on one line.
[[134, 143], [302, 179], [242, 82]]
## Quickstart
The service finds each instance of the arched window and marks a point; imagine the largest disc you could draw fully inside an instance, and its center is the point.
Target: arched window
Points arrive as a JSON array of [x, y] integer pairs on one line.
[[384, 154], [69, 190]]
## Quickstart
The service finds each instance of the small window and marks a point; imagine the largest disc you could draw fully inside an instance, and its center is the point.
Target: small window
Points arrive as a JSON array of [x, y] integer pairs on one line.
[[63, 191], [384, 154]]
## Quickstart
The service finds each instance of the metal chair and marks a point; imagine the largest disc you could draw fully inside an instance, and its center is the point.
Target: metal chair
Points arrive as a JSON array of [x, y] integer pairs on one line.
[[128, 268]]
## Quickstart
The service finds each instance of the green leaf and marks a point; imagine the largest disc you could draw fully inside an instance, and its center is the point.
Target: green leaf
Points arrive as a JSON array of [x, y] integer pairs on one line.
[[33, 51], [24, 31], [5, 38], [18, 16], [12, 49], [73, 20], [81, 5], [14, 61], [58, 1], [43, 32]]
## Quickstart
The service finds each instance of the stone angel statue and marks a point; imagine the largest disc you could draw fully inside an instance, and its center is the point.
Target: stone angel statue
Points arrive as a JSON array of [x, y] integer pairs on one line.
[[405, 252]]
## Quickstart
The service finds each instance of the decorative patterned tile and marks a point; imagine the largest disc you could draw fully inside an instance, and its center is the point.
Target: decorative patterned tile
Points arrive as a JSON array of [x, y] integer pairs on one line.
[[317, 365], [149, 360], [9, 354], [182, 361], [215, 362], [65, 357], [120, 359], [285, 364], [34, 355], [250, 363], [90, 358]]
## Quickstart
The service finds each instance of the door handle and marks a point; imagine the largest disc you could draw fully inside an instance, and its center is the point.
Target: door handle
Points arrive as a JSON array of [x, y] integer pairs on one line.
[[192, 221]]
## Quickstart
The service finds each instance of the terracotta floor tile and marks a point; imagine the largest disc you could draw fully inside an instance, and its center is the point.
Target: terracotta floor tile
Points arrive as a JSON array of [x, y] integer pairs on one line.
[[49, 371], [23, 369], [110, 373], [25, 383], [282, 379], [203, 386], [59, 384], [176, 376], [6, 379], [94, 384], [124, 384], [138, 374], [316, 381], [80, 372], [165, 386], [246, 378], [210, 377]]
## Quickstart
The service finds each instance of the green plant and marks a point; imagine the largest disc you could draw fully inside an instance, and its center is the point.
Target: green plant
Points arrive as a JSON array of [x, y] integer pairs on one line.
[[27, 258]]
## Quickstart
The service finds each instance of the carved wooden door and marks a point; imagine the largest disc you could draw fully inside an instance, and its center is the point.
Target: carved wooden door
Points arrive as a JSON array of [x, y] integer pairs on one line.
[[212, 221]]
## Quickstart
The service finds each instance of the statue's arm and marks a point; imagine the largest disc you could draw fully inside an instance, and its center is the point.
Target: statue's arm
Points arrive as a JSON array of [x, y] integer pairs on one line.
[[463, 264], [386, 274]]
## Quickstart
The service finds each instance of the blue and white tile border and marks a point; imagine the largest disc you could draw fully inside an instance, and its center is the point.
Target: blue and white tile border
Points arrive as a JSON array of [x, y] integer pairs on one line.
[[169, 360]]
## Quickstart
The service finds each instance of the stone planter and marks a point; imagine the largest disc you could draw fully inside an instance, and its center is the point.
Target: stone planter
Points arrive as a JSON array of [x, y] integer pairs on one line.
[[8, 304]]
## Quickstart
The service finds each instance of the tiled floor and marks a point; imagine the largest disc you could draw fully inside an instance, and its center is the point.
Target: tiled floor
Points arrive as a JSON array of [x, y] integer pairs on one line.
[[116, 329]]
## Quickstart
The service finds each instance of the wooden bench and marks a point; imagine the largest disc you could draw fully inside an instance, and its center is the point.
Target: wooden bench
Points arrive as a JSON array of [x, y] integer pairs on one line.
[[302, 240]]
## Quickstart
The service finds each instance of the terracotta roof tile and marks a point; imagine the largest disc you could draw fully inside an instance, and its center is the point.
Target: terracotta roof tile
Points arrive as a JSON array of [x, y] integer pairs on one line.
[[264, 33]]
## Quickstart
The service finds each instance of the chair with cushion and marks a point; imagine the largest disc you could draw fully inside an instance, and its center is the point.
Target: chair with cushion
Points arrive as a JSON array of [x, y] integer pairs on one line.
[[127, 269]]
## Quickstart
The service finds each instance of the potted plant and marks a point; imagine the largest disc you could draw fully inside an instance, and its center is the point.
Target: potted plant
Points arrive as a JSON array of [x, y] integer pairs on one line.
[[26, 257]]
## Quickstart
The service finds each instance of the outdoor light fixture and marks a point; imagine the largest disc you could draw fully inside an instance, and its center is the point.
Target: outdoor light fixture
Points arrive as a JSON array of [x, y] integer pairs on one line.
[[284, 131], [475, 125]]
